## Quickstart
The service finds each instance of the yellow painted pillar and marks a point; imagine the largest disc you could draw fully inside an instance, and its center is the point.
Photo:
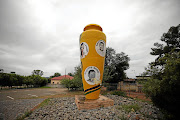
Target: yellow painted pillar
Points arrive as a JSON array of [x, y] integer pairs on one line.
[[92, 53]]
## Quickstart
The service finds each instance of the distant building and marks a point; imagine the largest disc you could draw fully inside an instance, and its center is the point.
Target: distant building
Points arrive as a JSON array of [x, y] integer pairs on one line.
[[127, 84], [57, 80]]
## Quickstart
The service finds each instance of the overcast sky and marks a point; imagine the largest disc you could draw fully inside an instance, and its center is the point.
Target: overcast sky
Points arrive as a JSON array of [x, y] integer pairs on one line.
[[44, 34]]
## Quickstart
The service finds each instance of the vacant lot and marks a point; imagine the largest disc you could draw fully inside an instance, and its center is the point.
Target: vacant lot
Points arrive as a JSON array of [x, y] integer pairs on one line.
[[15, 94], [16, 102]]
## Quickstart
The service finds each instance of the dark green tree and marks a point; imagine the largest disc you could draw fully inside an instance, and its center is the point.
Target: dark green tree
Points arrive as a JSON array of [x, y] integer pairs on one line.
[[70, 74], [164, 86], [171, 41], [57, 74], [115, 66], [37, 72], [38, 80]]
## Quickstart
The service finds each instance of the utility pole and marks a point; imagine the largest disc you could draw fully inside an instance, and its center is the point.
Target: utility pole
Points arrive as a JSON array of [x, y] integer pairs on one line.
[[65, 72], [134, 72]]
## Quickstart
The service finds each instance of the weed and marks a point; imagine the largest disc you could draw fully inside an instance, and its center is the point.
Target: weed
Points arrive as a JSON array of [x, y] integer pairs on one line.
[[129, 108], [26, 114], [149, 102]]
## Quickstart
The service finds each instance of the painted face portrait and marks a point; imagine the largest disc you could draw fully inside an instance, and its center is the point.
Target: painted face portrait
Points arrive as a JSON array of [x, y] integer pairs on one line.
[[91, 74], [84, 49], [101, 46]]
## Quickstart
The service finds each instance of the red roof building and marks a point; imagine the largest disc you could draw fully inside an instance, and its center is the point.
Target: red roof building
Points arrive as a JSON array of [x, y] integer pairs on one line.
[[56, 80]]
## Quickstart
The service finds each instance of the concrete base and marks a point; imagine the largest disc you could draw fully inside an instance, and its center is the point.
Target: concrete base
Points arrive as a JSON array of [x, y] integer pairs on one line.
[[83, 103]]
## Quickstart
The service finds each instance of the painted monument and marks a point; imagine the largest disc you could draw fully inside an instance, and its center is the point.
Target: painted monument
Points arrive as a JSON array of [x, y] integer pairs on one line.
[[92, 54]]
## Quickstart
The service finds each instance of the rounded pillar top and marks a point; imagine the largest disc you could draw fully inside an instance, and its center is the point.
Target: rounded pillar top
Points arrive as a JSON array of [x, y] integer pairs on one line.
[[93, 26]]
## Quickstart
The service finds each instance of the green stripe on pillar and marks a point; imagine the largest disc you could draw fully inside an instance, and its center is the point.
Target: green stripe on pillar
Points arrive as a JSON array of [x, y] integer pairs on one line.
[[92, 90]]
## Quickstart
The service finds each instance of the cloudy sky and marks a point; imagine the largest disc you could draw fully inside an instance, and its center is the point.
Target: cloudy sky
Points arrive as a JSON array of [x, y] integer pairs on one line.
[[44, 34]]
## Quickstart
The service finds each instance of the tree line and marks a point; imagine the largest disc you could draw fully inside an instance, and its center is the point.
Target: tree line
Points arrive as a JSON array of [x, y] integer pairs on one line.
[[10, 80]]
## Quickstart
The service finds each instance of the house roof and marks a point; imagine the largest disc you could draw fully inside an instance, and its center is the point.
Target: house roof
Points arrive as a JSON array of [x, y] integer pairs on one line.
[[62, 77]]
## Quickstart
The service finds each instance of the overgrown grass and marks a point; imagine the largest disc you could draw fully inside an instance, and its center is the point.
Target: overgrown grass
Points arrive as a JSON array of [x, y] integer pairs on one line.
[[129, 108], [119, 93], [26, 114]]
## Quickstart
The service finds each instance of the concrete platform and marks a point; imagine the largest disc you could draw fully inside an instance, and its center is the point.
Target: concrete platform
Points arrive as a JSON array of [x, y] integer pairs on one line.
[[83, 103]]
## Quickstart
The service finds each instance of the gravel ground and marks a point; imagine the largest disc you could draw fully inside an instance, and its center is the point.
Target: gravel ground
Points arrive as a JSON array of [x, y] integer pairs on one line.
[[10, 109], [65, 108]]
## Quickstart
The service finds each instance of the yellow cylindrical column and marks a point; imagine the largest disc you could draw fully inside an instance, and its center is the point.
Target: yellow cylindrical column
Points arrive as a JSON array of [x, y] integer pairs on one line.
[[92, 53]]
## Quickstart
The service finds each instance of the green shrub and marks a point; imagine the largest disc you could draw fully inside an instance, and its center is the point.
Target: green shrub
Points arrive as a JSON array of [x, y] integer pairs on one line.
[[119, 93], [74, 84]]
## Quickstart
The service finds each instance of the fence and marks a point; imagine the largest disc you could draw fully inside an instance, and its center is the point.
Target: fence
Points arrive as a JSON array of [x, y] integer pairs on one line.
[[133, 87], [55, 85]]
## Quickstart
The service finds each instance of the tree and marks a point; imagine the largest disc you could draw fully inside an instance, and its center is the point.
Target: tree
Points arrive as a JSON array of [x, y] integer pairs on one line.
[[114, 68], [78, 77], [67, 83], [37, 72], [171, 41], [38, 80], [70, 74], [1, 70], [76, 83], [28, 81], [57, 74], [115, 65], [164, 86], [77, 72]]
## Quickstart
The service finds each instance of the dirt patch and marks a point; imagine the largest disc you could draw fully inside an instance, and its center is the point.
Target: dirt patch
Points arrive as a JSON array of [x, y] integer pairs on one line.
[[138, 95]]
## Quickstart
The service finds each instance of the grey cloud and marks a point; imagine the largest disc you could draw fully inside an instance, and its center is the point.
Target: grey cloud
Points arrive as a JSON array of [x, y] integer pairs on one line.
[[45, 34]]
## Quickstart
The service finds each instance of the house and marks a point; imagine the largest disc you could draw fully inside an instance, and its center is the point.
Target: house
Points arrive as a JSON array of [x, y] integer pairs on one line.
[[57, 80]]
